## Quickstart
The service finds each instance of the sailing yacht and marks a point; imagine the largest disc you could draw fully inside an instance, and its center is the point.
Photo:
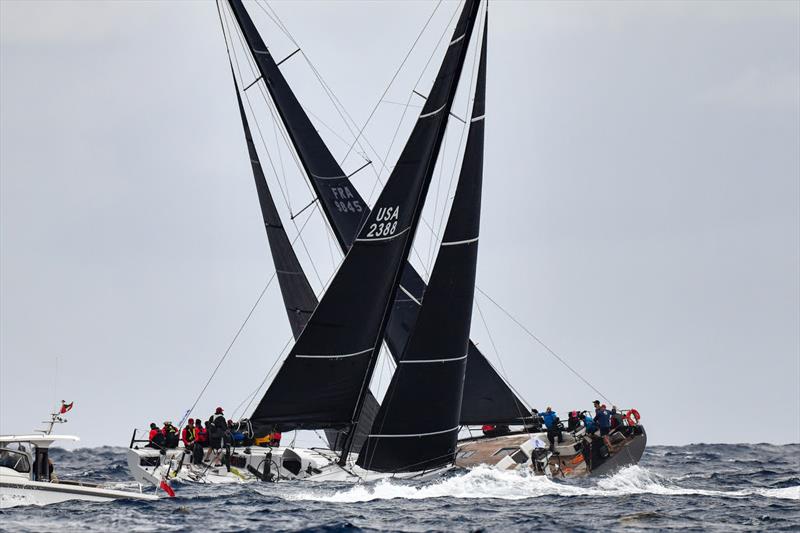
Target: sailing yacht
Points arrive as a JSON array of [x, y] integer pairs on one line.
[[442, 382]]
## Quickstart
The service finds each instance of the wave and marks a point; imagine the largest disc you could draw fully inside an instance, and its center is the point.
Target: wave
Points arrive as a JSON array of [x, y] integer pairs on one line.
[[485, 482]]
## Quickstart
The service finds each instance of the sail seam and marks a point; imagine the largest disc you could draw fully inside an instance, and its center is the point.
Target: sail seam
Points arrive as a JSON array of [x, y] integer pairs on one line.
[[384, 238], [335, 356], [415, 434], [426, 115], [410, 295], [476, 119], [435, 360], [327, 177], [456, 243], [454, 41]]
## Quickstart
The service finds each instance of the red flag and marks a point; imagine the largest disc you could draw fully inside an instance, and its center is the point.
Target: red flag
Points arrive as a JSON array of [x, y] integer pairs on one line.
[[65, 407], [166, 488]]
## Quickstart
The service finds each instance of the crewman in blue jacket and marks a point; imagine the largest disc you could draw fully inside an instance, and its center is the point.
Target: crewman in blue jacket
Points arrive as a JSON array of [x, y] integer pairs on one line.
[[588, 423], [603, 419], [552, 423]]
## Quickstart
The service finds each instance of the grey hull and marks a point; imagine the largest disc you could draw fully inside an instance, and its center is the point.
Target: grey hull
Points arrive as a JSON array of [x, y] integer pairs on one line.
[[630, 454]]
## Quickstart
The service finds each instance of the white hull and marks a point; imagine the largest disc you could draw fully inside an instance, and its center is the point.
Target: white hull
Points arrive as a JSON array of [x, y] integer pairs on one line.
[[15, 491], [147, 465]]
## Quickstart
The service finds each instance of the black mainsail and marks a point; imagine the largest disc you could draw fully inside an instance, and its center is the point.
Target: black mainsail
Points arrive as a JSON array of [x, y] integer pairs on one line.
[[487, 397], [417, 425], [324, 380]]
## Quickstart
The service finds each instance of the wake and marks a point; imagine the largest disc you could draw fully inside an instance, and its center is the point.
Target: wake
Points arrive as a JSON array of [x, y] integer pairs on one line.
[[486, 482]]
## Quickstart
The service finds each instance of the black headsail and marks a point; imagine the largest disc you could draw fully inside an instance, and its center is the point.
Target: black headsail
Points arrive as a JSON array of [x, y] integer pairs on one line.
[[298, 295], [487, 397], [417, 424], [324, 380]]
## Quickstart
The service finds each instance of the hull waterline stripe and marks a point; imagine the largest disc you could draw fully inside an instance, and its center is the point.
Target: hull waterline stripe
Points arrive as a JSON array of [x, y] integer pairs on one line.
[[456, 243], [390, 237], [334, 356], [434, 360], [410, 295], [426, 115], [476, 119], [414, 434]]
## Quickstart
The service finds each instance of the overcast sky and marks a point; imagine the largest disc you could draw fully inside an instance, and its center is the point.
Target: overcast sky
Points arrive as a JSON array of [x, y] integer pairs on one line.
[[641, 204]]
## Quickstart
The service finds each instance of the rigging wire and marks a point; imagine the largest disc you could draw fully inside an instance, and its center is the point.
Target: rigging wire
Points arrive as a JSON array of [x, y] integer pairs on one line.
[[241, 328], [263, 142], [344, 115], [287, 141], [542, 344]]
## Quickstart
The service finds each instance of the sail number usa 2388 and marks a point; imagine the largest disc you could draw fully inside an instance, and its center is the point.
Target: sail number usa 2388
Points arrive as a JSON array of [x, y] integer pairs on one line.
[[385, 222]]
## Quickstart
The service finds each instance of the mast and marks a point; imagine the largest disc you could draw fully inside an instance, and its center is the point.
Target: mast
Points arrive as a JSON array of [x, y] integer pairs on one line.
[[417, 425], [487, 397], [334, 357]]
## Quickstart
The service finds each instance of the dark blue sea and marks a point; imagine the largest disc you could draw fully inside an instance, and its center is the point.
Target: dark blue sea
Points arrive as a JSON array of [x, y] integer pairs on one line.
[[718, 487]]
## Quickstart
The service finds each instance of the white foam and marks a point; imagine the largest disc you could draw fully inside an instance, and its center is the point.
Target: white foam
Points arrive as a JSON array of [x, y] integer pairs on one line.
[[486, 482]]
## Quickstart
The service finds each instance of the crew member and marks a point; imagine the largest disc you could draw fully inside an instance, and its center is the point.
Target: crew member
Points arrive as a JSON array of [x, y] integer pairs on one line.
[[188, 438], [218, 419], [603, 419], [170, 435], [156, 437], [188, 435], [553, 425], [573, 422], [588, 423]]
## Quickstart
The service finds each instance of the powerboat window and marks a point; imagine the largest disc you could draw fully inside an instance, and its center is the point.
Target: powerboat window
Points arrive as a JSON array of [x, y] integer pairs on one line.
[[15, 460]]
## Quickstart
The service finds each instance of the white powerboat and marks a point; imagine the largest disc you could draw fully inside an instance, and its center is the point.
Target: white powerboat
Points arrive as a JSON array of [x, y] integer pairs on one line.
[[27, 474]]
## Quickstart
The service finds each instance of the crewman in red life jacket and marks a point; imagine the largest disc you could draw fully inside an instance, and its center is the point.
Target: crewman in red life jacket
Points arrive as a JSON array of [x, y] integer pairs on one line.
[[187, 435], [200, 433], [156, 437]]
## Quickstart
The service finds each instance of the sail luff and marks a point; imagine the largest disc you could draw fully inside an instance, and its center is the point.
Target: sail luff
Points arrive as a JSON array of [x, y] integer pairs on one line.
[[298, 295], [417, 425]]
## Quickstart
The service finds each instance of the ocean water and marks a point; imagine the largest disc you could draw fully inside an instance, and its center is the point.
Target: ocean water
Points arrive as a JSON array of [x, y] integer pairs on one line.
[[717, 487]]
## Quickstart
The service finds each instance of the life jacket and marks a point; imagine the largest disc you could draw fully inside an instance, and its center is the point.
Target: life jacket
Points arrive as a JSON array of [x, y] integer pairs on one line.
[[153, 433], [188, 436]]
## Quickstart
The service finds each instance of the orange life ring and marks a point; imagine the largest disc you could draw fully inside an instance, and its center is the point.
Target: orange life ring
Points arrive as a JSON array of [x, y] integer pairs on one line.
[[633, 417]]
